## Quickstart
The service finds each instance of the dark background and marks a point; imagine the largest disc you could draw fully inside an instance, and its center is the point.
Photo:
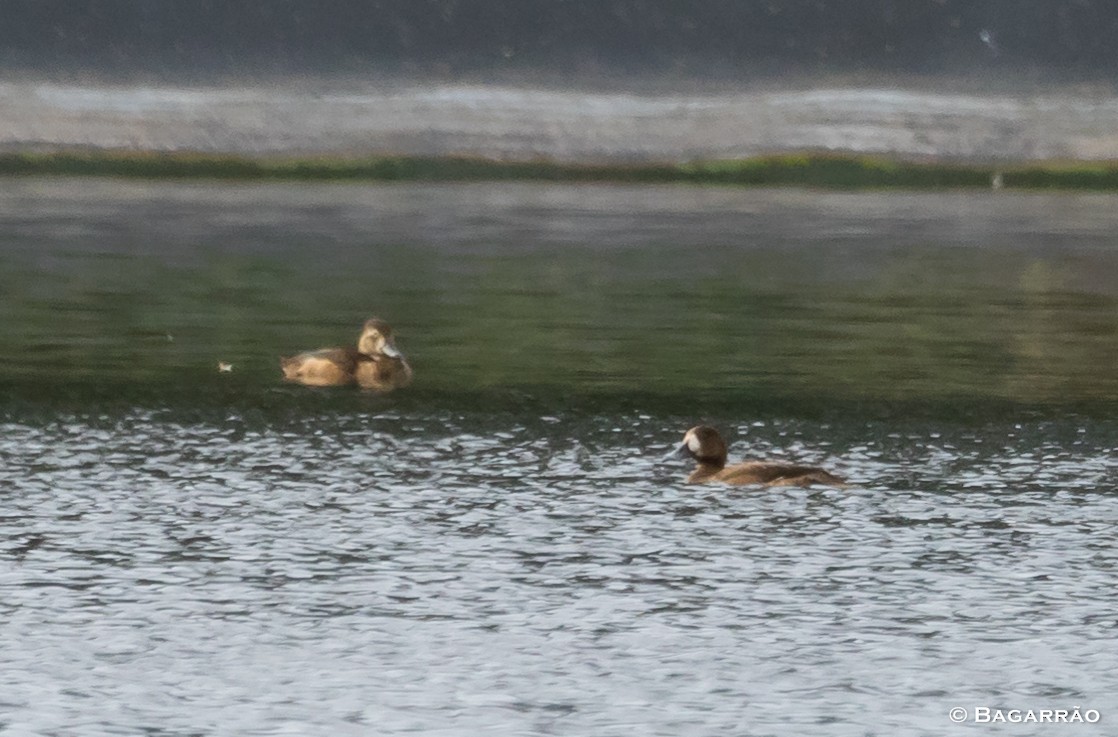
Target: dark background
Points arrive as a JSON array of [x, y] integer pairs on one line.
[[683, 38]]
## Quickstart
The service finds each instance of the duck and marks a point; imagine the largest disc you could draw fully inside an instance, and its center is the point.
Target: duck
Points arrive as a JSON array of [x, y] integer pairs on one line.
[[375, 363], [705, 445]]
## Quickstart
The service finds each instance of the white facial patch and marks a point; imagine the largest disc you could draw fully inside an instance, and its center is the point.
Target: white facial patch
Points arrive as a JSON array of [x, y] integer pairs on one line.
[[692, 442]]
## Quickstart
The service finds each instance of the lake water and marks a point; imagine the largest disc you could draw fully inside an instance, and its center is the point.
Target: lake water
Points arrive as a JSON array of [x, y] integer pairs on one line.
[[500, 549]]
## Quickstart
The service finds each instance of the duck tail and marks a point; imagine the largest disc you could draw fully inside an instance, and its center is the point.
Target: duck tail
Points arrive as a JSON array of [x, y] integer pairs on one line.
[[825, 477], [290, 367]]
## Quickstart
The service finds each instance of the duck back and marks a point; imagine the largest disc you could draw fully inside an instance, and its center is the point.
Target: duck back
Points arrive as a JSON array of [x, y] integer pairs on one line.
[[324, 367], [776, 474]]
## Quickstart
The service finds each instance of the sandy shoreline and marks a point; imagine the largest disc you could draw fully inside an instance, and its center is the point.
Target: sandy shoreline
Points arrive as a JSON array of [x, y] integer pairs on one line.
[[521, 124]]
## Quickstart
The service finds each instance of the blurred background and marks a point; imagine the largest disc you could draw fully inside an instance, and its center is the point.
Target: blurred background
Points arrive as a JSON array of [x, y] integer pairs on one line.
[[613, 42], [564, 79]]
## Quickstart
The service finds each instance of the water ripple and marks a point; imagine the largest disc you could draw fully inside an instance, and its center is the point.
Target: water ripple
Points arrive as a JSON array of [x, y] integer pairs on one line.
[[459, 574]]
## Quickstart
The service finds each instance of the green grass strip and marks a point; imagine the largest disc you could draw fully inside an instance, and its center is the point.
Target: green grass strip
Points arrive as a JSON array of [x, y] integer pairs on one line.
[[825, 170]]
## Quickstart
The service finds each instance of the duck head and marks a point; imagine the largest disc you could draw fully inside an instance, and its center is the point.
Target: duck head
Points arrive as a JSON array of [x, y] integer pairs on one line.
[[705, 445], [376, 339]]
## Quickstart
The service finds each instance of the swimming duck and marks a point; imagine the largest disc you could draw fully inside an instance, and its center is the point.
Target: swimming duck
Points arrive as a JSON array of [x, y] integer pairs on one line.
[[374, 364], [706, 446]]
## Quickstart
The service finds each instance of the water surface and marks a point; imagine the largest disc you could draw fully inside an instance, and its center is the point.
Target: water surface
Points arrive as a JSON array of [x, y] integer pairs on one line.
[[499, 548], [564, 290]]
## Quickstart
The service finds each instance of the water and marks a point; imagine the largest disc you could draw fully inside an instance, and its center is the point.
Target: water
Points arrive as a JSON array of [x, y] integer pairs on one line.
[[699, 296], [499, 549]]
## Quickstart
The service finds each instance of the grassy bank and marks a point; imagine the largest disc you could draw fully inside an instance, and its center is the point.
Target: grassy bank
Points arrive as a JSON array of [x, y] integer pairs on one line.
[[835, 171]]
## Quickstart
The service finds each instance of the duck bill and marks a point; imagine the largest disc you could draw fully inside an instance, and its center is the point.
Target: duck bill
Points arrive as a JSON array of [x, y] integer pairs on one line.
[[677, 452], [391, 351]]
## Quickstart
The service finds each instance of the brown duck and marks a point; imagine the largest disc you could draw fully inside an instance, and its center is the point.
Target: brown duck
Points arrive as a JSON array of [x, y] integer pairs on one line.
[[375, 363], [706, 446]]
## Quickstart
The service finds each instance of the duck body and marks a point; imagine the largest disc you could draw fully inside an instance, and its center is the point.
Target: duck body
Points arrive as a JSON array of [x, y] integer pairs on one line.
[[706, 446], [382, 373], [764, 474], [375, 364], [324, 367]]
